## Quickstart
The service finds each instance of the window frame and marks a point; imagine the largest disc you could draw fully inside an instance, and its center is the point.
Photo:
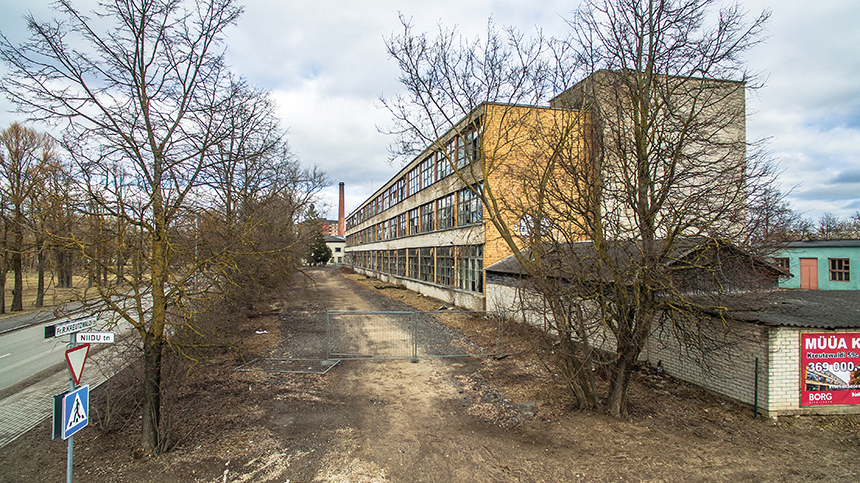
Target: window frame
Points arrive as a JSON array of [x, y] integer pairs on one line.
[[445, 274], [446, 212], [839, 269]]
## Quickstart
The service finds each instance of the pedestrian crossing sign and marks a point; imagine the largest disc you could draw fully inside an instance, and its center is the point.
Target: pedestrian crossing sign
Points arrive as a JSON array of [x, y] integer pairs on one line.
[[76, 406]]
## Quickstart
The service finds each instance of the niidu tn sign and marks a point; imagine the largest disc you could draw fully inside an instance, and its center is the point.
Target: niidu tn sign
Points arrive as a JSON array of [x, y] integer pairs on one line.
[[70, 326], [94, 338]]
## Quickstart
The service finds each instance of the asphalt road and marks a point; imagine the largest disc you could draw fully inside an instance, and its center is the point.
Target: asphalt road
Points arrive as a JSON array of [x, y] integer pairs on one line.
[[24, 351]]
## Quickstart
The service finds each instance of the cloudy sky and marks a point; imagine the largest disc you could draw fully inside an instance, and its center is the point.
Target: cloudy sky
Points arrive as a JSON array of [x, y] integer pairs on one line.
[[324, 62]]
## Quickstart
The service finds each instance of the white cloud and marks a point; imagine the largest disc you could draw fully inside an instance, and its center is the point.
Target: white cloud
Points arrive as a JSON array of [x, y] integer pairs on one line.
[[326, 65]]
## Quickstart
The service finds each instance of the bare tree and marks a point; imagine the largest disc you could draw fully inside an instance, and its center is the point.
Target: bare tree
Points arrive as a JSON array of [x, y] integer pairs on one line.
[[646, 153], [259, 190], [22, 171], [832, 227], [147, 96]]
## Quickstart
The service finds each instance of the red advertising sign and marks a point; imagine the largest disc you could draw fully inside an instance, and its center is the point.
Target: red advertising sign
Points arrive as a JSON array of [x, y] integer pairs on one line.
[[830, 368]]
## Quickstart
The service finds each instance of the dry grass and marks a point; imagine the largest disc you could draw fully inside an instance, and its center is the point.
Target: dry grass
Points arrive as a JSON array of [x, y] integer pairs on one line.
[[53, 297]]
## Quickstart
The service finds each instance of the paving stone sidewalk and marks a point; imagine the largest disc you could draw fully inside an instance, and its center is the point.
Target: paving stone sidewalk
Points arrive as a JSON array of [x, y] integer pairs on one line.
[[24, 410]]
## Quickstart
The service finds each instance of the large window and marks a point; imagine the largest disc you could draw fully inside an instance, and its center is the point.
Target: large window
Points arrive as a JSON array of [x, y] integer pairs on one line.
[[427, 172], [446, 211], [428, 220], [414, 222], [839, 270], [386, 230], [401, 262], [413, 180], [443, 165], [427, 264], [401, 226], [470, 263], [399, 191], [413, 263], [471, 210], [468, 148], [445, 266]]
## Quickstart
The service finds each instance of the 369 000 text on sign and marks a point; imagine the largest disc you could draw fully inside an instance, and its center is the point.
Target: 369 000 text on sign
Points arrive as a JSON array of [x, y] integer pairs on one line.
[[831, 369]]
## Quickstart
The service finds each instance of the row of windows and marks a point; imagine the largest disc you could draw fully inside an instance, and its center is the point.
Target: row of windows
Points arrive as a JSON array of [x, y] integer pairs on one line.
[[462, 150], [839, 268], [462, 208], [449, 266]]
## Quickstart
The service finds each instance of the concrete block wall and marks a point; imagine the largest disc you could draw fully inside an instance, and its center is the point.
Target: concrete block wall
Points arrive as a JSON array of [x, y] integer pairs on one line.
[[727, 369], [784, 382], [449, 296]]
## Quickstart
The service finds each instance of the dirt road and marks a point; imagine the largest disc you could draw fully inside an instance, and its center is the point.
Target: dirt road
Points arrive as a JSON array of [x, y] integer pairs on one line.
[[438, 420]]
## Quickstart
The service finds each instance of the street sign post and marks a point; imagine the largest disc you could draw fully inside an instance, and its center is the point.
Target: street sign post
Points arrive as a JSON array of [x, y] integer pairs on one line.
[[74, 405], [94, 337]]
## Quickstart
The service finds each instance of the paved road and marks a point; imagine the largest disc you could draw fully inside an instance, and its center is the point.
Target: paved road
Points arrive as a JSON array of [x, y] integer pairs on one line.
[[26, 352]]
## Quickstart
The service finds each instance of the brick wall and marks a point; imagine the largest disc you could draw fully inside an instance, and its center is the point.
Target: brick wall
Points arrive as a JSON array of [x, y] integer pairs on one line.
[[727, 365]]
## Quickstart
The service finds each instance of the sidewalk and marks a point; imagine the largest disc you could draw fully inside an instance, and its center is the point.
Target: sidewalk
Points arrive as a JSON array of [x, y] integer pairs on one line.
[[24, 410]]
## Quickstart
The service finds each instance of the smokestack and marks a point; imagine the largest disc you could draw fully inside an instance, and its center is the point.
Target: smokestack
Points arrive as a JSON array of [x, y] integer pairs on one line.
[[341, 221]]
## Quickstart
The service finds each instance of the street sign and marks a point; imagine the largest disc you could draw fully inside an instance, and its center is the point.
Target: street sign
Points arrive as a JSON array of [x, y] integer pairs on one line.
[[70, 326], [94, 337], [76, 407], [75, 358], [57, 422]]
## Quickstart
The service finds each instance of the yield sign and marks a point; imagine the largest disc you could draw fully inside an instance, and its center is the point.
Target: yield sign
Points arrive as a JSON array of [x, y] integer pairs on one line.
[[76, 357]]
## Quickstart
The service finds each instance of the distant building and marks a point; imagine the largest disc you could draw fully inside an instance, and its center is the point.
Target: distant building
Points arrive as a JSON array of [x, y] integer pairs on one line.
[[337, 245], [820, 265]]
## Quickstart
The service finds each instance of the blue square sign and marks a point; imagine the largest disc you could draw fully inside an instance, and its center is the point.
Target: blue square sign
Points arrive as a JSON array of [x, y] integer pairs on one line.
[[76, 410]]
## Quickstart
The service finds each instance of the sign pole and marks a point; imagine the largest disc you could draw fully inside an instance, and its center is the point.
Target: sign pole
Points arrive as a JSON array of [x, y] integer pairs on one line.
[[71, 451]]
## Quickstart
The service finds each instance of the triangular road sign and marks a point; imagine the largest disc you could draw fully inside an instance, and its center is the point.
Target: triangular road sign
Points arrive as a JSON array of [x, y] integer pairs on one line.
[[76, 357]]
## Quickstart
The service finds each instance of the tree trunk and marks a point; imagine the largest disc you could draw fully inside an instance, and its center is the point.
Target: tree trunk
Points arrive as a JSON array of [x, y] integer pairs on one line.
[[40, 268], [618, 384], [153, 349], [3, 291], [576, 373], [65, 279], [18, 289], [631, 338]]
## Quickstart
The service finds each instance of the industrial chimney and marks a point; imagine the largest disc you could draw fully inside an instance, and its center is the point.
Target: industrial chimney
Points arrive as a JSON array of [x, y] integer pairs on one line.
[[341, 222]]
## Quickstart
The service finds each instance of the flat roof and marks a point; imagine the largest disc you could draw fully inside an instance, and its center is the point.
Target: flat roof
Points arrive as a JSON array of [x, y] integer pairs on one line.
[[823, 243], [822, 309]]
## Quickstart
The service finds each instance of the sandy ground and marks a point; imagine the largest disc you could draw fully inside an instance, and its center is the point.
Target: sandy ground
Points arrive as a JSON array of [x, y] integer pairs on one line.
[[438, 420]]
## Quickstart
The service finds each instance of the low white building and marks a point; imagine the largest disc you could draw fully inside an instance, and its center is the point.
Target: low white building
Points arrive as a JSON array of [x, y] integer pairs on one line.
[[782, 351], [337, 245]]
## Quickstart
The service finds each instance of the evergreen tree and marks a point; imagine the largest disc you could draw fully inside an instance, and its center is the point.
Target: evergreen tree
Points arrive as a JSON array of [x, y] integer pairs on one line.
[[320, 252]]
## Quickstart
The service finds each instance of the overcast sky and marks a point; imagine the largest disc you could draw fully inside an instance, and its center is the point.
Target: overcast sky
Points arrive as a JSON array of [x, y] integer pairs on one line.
[[325, 64]]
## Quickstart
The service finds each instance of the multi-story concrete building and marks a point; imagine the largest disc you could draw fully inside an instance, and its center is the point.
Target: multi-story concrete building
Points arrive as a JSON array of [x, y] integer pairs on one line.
[[427, 228]]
